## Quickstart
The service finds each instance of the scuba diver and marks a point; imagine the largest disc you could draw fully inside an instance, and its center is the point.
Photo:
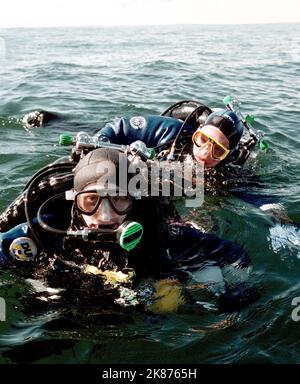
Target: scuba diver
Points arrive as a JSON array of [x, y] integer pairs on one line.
[[223, 140], [76, 228], [189, 128]]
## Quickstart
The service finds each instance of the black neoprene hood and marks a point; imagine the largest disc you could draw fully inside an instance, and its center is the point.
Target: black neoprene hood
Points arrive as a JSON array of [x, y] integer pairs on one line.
[[229, 123], [100, 164]]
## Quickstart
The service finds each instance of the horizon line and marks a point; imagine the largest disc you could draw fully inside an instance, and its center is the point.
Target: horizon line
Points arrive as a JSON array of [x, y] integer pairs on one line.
[[150, 25]]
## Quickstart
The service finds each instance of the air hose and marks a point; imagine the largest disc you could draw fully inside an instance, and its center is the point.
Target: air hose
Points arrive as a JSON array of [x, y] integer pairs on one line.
[[46, 171]]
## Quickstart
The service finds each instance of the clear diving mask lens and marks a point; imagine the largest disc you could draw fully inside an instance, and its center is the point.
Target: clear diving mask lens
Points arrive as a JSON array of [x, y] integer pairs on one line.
[[87, 202]]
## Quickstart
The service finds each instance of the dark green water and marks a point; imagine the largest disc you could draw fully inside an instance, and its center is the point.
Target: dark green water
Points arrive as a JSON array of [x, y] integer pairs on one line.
[[90, 76]]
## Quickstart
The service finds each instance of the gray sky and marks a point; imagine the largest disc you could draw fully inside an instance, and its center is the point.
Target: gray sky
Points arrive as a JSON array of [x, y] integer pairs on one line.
[[45, 13]]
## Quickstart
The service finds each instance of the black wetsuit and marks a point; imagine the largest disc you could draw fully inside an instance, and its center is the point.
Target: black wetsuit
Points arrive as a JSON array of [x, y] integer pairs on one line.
[[187, 254]]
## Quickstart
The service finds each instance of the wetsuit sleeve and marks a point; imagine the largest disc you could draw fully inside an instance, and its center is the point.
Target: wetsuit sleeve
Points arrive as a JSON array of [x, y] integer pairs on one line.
[[112, 132], [151, 129], [193, 251], [191, 246]]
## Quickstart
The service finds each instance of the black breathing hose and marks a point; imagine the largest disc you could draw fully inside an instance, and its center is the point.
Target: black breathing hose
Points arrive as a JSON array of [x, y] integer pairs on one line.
[[202, 109], [48, 170], [42, 222], [49, 166]]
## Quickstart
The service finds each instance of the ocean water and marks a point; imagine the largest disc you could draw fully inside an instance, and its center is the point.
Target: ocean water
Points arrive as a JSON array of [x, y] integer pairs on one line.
[[92, 75]]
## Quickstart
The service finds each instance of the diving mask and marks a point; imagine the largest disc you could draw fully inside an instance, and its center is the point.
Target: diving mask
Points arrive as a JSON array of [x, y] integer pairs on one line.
[[217, 150], [127, 235], [87, 202]]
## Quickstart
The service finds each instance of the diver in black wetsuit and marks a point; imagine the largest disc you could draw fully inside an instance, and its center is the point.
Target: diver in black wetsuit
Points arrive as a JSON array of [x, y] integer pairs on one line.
[[222, 140], [211, 137], [102, 241]]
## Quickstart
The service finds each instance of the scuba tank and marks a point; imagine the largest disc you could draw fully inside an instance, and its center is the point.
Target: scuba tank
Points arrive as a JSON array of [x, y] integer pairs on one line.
[[58, 180], [192, 113]]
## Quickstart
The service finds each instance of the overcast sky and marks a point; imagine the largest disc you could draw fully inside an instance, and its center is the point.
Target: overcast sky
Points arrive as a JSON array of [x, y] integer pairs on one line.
[[45, 13]]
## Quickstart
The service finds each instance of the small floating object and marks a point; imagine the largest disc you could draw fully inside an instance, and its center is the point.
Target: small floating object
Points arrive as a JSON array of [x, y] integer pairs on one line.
[[33, 120], [37, 119]]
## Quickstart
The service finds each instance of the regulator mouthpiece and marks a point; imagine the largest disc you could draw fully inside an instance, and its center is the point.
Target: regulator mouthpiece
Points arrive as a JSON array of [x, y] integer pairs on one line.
[[128, 235]]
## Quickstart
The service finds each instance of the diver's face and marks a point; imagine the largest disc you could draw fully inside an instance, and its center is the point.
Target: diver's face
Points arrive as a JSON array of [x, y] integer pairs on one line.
[[209, 148], [105, 215]]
